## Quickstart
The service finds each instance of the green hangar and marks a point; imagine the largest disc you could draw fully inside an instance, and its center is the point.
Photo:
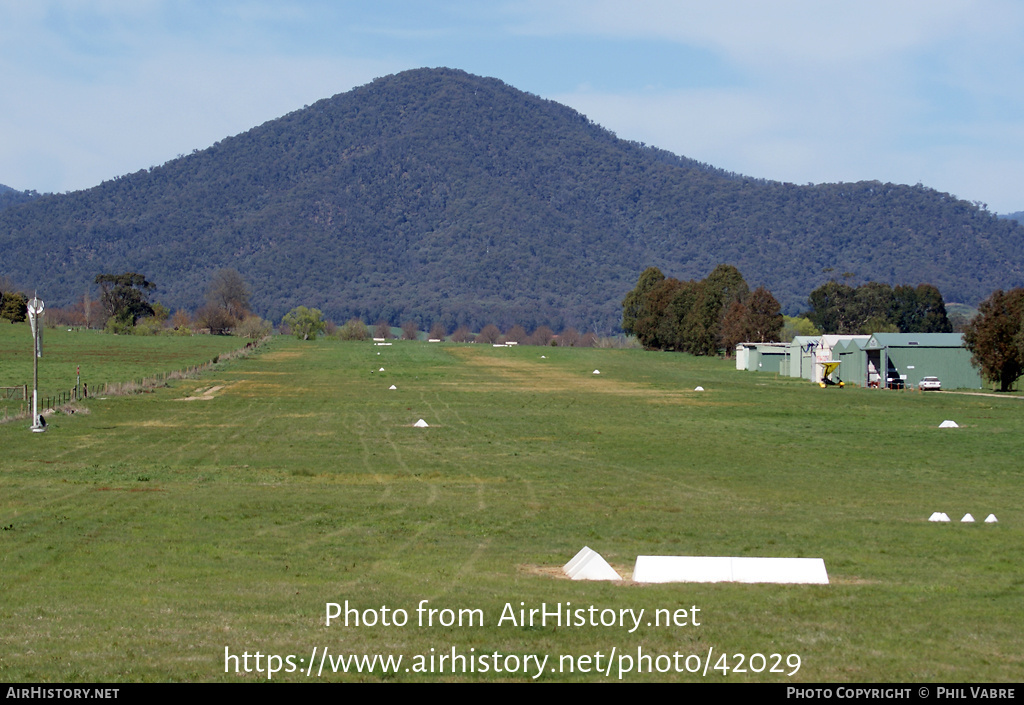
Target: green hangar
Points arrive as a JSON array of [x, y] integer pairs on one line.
[[878, 360], [907, 357]]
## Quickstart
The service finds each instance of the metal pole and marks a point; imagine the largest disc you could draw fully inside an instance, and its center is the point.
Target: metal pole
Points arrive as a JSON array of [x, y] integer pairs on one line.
[[35, 316], [35, 384]]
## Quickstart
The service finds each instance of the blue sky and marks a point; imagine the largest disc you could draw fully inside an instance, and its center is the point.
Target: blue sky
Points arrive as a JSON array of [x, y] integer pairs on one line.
[[921, 91]]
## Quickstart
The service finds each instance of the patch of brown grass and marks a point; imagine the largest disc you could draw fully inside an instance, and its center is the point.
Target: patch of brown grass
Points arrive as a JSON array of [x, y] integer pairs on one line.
[[282, 355], [523, 375]]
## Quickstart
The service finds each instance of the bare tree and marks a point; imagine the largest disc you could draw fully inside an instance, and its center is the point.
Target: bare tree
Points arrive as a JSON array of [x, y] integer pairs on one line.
[[542, 336], [437, 331], [490, 334], [229, 291], [516, 334], [461, 335], [216, 319], [84, 309], [569, 338], [181, 320], [410, 330]]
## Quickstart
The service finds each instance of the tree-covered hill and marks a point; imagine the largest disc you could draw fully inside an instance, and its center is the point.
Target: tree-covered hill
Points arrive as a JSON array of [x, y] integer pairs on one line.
[[437, 195], [11, 197]]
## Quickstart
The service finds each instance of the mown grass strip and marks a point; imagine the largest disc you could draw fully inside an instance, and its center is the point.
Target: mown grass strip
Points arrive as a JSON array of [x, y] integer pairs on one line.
[[227, 511]]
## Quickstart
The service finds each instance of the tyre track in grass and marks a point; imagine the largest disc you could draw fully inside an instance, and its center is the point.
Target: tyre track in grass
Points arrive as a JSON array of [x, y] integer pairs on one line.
[[443, 414], [463, 430], [357, 427], [447, 406], [370, 431], [388, 436]]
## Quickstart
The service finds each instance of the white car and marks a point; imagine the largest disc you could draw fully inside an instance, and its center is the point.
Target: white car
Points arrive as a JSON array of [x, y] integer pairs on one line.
[[930, 383]]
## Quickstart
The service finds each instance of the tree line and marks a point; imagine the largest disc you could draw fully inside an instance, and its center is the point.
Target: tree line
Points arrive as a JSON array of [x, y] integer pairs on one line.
[[875, 307], [124, 308], [700, 317], [720, 311]]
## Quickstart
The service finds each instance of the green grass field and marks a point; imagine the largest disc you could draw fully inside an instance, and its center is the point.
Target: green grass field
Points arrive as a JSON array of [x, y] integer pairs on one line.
[[101, 358], [143, 539]]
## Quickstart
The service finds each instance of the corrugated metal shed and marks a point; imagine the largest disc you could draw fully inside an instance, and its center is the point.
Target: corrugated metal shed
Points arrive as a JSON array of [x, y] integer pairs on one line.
[[853, 361], [825, 351], [801, 356], [762, 357], [870, 361], [912, 356]]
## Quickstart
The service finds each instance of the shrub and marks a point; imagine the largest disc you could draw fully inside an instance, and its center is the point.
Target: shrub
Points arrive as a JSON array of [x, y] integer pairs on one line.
[[149, 325], [253, 327], [119, 325], [354, 329]]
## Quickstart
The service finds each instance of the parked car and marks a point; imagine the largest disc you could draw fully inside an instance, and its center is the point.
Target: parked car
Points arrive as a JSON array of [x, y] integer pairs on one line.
[[930, 383]]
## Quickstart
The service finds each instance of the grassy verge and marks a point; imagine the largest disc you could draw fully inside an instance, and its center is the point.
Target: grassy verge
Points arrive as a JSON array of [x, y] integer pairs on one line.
[[144, 539]]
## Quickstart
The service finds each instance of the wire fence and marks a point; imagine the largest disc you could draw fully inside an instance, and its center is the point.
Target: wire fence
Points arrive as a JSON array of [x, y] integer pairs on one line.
[[111, 389]]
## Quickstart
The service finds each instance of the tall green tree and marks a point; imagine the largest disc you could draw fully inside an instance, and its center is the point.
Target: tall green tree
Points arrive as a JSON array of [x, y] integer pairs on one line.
[[872, 310], [995, 335], [123, 297], [672, 329], [634, 306], [669, 314], [832, 308], [920, 310], [764, 317], [702, 329], [14, 306], [876, 307], [659, 327]]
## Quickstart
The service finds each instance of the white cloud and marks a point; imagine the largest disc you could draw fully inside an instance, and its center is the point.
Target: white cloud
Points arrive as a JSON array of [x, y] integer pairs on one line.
[[825, 92], [753, 31]]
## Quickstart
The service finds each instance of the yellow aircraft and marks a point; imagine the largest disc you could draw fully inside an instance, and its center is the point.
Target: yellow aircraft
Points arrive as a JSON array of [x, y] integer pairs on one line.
[[826, 375]]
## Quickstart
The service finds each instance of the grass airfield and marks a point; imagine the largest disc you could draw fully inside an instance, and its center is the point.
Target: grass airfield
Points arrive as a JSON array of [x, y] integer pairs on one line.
[[143, 538]]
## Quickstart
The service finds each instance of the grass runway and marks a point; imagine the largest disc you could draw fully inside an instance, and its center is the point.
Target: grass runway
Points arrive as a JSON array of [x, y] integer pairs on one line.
[[144, 538]]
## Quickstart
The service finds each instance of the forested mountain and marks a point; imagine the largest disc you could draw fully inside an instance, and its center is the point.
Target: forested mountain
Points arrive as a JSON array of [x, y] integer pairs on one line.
[[1018, 216], [11, 197], [437, 195]]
